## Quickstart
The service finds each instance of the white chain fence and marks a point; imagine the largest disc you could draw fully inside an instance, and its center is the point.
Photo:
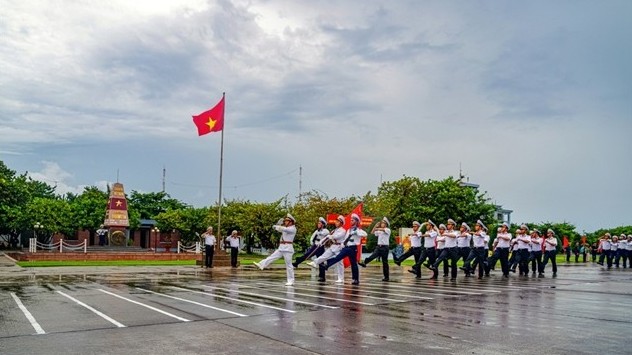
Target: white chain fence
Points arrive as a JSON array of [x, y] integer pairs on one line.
[[60, 246], [194, 248]]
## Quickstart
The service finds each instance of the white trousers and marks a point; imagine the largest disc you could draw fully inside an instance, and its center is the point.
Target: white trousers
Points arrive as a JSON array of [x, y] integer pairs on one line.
[[287, 255], [328, 254]]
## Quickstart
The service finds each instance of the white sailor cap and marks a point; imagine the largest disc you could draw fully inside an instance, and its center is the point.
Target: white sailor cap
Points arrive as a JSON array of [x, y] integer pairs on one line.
[[341, 219], [415, 223], [385, 220], [322, 220], [234, 232], [464, 225], [290, 217], [535, 231], [480, 223], [451, 221], [442, 226], [550, 231], [355, 216], [524, 226], [432, 223], [622, 235], [615, 237], [505, 224]]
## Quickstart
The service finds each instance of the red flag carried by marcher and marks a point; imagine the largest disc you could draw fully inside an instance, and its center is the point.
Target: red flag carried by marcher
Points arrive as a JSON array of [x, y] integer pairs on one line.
[[211, 120]]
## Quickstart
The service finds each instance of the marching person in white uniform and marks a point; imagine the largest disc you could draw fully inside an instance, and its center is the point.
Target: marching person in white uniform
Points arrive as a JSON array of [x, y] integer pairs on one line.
[[285, 250], [333, 244]]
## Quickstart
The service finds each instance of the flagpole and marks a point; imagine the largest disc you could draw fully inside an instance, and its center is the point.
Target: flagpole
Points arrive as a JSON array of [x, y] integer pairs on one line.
[[221, 175]]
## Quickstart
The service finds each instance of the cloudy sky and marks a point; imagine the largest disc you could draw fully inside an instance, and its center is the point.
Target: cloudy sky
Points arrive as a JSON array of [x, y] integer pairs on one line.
[[532, 99]]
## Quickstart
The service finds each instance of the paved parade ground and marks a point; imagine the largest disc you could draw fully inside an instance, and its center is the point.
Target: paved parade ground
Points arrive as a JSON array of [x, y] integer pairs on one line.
[[190, 310]]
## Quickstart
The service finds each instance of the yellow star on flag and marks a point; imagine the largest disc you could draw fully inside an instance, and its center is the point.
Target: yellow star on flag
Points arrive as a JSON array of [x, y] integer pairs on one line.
[[211, 123], [118, 203]]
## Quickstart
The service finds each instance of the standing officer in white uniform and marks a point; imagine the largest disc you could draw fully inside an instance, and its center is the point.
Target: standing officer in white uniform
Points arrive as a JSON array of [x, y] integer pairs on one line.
[[383, 233], [604, 246], [285, 250], [209, 246], [333, 245], [235, 242]]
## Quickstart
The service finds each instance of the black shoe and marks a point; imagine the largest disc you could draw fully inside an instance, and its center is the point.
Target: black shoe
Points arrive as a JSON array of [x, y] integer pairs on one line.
[[412, 271], [295, 265], [480, 277], [355, 282], [418, 277], [513, 270], [540, 275], [445, 275], [453, 279], [506, 275], [428, 266], [555, 274], [385, 279], [463, 268], [321, 279], [362, 264]]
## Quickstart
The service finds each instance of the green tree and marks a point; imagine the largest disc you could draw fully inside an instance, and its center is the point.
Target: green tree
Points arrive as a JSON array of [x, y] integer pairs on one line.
[[189, 222], [88, 209], [149, 204]]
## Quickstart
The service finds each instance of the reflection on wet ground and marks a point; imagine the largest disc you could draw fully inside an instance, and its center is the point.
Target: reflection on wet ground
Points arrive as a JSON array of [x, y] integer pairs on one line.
[[492, 315]]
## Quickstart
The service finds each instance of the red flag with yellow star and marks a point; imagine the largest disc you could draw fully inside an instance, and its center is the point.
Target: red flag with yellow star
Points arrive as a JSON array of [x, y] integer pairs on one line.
[[211, 120]]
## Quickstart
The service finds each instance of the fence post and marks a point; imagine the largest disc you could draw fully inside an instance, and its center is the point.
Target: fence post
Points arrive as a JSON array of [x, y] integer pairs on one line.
[[197, 247], [61, 245], [32, 245], [179, 245], [85, 246]]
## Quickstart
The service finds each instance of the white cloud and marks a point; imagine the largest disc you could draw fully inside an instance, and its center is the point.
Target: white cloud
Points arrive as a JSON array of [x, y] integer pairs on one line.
[[527, 96]]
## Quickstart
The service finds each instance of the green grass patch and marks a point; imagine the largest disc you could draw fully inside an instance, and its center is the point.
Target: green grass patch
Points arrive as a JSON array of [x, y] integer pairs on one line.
[[48, 263]]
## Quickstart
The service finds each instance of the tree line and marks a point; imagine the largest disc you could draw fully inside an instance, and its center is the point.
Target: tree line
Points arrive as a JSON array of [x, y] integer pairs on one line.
[[25, 202]]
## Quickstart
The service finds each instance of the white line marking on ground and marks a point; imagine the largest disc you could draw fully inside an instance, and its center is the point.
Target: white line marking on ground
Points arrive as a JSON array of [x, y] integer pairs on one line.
[[332, 292], [233, 299], [29, 316], [323, 297], [107, 318], [193, 302], [273, 298], [146, 306]]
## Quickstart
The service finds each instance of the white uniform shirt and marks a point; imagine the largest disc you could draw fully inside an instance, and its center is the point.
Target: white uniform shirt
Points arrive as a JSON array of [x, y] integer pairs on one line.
[[552, 246], [356, 236], [503, 243], [429, 239], [623, 244], [605, 244], [614, 246], [318, 235], [440, 242], [287, 238], [450, 238], [463, 240], [524, 241], [629, 245], [536, 244], [234, 242], [486, 242], [479, 240], [338, 236], [415, 239], [383, 236], [209, 239]]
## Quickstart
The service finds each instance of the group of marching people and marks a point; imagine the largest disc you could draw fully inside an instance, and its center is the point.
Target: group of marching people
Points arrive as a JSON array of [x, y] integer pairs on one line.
[[615, 249], [435, 245]]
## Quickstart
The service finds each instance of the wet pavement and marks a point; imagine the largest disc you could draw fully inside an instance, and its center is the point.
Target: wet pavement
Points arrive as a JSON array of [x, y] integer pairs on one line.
[[189, 310]]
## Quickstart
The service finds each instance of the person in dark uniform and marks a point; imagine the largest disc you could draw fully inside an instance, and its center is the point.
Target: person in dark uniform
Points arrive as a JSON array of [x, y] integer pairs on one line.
[[383, 234]]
